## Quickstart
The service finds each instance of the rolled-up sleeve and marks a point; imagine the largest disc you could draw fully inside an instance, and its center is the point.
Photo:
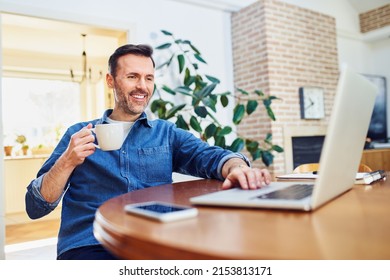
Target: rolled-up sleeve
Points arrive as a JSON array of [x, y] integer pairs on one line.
[[36, 205]]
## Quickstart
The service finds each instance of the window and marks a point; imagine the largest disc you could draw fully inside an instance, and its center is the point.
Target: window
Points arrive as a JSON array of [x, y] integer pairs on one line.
[[39, 109]]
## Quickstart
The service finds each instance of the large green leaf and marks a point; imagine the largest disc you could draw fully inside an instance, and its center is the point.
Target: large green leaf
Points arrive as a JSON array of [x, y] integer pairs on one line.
[[188, 78], [184, 90], [181, 123], [237, 145], [224, 100], [166, 33], [168, 90], [199, 82], [189, 81], [210, 102], [194, 48], [198, 57], [259, 92], [220, 142], [267, 102], [225, 131], [164, 46], [251, 146], [268, 138], [195, 99], [201, 111], [238, 113], [207, 90], [277, 148], [271, 113], [181, 60], [174, 110], [156, 104], [256, 154], [160, 106], [210, 131], [267, 158], [213, 79], [243, 91], [195, 124], [251, 106]]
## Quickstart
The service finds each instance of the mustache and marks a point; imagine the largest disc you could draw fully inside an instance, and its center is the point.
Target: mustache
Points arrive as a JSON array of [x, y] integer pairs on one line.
[[142, 92]]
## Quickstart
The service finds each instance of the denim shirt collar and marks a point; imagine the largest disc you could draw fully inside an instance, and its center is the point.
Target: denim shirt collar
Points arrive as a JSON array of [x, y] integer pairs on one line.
[[142, 118]]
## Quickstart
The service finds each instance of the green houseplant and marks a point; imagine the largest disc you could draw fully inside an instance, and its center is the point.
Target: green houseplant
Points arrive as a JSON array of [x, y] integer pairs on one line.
[[22, 140], [203, 104]]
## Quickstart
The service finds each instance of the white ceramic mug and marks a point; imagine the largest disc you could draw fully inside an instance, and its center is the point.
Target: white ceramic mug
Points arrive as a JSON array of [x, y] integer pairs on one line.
[[109, 136]]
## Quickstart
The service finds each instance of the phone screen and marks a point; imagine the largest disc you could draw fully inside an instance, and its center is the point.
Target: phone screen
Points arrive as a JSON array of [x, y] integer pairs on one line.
[[161, 211], [160, 208]]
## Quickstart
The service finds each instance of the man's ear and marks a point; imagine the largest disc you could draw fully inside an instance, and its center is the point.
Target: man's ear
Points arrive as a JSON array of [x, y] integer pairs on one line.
[[109, 80]]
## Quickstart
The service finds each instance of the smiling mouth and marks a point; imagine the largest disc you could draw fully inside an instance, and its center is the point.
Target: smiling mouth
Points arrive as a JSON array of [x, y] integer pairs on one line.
[[139, 97]]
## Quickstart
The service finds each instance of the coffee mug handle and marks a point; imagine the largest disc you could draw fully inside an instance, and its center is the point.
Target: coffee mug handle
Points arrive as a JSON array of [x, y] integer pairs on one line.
[[93, 130]]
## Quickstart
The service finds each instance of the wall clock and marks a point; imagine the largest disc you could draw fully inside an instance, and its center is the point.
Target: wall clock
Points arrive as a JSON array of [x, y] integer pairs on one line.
[[311, 100]]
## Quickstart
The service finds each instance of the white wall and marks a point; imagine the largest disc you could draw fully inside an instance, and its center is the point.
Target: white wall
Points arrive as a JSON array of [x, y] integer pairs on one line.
[[364, 55], [342, 10], [2, 188]]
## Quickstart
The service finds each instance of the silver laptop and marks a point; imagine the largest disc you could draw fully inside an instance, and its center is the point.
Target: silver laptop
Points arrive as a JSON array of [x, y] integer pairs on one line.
[[339, 162]]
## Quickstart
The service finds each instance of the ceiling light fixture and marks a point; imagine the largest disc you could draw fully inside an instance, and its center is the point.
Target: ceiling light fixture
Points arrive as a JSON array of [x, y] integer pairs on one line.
[[86, 75]]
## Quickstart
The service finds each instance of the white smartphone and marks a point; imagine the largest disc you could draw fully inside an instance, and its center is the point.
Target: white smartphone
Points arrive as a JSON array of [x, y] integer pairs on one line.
[[162, 211]]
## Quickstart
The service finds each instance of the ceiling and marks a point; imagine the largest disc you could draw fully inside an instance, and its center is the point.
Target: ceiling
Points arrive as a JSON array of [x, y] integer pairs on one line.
[[56, 37], [362, 6]]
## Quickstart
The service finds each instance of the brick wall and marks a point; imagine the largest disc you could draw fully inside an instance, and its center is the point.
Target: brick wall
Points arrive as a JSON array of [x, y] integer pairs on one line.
[[278, 47], [375, 19]]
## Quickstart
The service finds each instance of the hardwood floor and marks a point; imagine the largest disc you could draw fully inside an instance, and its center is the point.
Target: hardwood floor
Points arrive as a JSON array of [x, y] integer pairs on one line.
[[31, 231]]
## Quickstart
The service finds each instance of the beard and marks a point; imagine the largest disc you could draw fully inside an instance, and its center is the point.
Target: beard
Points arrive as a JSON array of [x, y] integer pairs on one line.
[[133, 102]]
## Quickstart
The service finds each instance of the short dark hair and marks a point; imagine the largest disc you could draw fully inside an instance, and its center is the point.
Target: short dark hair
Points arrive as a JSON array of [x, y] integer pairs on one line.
[[141, 50]]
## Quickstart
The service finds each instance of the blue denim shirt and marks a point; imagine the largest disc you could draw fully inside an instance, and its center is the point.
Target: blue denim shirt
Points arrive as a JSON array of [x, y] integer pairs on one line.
[[150, 153]]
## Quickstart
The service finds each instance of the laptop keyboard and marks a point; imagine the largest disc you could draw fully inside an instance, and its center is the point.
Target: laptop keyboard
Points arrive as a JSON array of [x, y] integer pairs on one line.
[[293, 192]]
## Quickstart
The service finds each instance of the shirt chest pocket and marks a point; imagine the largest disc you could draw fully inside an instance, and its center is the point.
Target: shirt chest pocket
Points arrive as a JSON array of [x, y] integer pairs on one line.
[[156, 164]]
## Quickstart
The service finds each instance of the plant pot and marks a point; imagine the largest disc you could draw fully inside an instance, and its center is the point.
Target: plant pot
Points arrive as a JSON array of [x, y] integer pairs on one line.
[[25, 150], [8, 150]]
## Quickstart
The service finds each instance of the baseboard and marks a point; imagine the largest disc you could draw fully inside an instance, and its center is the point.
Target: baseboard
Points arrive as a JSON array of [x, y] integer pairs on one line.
[[31, 245], [44, 249]]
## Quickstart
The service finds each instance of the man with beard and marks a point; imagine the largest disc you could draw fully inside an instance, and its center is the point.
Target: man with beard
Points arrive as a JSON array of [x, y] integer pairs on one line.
[[84, 177]]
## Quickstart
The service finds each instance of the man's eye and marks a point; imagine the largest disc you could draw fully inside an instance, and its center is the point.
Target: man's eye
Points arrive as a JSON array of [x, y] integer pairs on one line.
[[131, 77]]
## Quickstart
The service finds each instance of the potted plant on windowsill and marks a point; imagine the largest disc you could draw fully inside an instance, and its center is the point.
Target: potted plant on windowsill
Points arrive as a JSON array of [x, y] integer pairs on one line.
[[8, 150], [22, 140], [203, 105]]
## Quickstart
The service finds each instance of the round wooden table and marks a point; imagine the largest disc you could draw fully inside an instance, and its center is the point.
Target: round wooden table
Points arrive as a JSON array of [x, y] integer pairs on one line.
[[356, 225]]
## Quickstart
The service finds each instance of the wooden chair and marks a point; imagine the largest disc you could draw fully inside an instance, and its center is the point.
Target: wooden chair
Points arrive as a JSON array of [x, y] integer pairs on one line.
[[310, 167]]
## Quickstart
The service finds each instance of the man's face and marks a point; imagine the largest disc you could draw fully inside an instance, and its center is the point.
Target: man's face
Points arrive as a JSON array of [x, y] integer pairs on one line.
[[133, 86]]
